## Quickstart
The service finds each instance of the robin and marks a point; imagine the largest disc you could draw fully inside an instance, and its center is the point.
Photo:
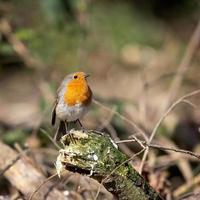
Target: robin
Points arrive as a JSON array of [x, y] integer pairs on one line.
[[73, 99]]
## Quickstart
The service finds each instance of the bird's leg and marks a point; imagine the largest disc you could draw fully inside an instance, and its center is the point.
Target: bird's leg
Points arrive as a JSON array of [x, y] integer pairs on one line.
[[67, 132], [66, 127], [82, 128]]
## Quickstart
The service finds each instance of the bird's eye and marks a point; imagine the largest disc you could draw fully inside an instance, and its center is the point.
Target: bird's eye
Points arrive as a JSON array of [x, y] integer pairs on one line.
[[75, 77]]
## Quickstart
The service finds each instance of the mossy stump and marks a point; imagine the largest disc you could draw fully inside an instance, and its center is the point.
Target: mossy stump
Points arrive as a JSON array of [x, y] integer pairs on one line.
[[95, 154]]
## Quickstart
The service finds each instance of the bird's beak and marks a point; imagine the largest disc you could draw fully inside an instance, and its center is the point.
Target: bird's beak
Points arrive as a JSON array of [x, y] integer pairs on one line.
[[87, 75]]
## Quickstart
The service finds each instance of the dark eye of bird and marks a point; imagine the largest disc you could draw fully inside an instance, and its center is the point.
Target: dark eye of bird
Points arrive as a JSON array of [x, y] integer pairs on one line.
[[75, 77]]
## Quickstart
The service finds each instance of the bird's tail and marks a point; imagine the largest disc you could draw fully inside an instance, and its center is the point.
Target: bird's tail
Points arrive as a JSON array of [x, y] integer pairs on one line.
[[53, 115]]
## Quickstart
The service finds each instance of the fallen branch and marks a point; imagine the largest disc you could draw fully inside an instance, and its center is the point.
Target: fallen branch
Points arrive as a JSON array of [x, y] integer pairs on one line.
[[12, 163], [18, 46], [24, 176]]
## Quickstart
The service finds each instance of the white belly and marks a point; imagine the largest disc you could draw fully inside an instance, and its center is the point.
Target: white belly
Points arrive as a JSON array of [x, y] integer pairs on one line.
[[70, 113]]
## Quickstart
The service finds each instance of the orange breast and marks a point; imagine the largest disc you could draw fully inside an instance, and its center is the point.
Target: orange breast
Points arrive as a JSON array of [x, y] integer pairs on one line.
[[77, 92]]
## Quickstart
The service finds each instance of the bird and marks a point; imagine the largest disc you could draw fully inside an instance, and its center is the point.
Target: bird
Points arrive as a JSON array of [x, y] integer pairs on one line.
[[73, 99]]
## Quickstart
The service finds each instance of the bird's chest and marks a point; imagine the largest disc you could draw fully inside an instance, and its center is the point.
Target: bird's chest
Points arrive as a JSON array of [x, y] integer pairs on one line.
[[77, 94]]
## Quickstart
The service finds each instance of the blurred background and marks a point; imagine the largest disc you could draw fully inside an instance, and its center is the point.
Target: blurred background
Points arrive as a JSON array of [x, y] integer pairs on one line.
[[134, 50]]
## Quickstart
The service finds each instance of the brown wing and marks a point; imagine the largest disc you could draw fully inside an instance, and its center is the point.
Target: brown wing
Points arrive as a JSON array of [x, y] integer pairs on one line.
[[58, 95], [53, 116]]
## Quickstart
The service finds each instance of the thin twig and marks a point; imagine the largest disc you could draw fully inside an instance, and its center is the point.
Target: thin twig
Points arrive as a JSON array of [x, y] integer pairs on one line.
[[125, 141], [190, 103], [175, 150], [123, 118], [50, 138], [140, 142], [143, 144], [122, 146], [161, 120], [169, 110], [42, 184], [108, 120], [184, 65]]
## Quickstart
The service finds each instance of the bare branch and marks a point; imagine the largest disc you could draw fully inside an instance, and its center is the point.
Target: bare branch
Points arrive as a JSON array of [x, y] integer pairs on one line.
[[143, 144], [162, 119], [175, 150], [19, 48], [123, 118]]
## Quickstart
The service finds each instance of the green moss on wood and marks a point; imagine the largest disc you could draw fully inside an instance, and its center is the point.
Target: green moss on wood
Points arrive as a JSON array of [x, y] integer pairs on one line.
[[96, 154]]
